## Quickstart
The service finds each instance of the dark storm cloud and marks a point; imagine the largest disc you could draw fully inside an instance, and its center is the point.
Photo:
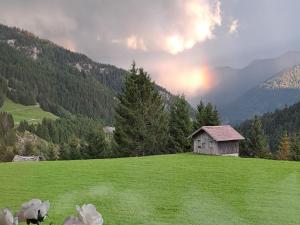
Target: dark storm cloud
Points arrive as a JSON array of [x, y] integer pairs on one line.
[[163, 35]]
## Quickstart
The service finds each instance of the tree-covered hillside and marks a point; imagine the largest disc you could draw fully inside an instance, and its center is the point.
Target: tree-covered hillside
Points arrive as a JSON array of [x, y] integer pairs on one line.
[[276, 124], [33, 71]]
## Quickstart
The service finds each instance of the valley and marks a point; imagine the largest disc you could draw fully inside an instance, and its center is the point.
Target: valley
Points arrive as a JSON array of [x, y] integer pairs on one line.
[[178, 112]]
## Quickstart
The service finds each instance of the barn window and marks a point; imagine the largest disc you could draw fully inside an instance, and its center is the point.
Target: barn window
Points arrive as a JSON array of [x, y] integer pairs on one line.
[[203, 145], [199, 143], [210, 144]]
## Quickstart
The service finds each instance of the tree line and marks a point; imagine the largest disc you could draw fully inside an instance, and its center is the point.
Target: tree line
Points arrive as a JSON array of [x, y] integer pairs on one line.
[[259, 143], [143, 126], [146, 126]]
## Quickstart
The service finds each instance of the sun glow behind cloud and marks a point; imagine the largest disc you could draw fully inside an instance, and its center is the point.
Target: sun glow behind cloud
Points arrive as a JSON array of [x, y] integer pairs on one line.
[[185, 79], [68, 44], [155, 34]]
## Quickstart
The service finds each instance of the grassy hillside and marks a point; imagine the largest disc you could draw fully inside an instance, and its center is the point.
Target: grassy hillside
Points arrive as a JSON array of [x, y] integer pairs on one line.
[[33, 114], [182, 189]]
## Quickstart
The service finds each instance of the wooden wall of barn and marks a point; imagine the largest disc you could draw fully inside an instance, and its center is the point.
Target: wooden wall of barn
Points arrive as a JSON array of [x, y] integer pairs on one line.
[[204, 144], [228, 147]]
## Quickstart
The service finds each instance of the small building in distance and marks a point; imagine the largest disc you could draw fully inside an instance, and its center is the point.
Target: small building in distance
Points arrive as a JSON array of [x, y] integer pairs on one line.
[[19, 158], [109, 130], [216, 140]]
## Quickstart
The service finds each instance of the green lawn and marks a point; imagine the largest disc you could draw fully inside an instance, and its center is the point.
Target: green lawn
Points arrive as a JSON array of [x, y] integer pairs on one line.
[[33, 114], [183, 189]]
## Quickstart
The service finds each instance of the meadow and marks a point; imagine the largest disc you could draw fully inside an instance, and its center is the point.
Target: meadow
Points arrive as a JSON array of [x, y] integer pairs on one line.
[[182, 189], [33, 113]]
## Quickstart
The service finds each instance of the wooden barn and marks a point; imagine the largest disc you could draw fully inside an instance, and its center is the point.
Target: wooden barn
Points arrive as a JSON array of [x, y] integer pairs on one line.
[[19, 158], [216, 140]]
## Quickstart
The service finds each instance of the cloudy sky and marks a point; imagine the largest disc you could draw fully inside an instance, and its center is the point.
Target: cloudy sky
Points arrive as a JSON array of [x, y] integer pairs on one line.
[[177, 41]]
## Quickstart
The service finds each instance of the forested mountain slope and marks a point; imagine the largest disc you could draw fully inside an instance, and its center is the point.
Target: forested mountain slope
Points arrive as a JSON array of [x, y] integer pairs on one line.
[[276, 123], [33, 71]]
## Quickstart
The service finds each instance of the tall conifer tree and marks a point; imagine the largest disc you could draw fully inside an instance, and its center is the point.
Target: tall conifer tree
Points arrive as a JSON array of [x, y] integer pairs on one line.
[[200, 116], [206, 115], [257, 142], [180, 126], [284, 147], [295, 147], [141, 121], [212, 115]]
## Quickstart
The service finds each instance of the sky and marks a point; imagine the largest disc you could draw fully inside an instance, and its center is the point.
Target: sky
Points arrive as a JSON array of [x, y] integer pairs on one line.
[[177, 41]]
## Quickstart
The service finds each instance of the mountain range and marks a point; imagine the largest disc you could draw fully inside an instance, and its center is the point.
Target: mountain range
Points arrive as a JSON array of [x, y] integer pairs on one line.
[[37, 71], [233, 83], [278, 91], [255, 89]]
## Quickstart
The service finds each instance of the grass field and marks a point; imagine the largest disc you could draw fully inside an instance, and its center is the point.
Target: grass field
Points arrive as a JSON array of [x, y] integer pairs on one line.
[[183, 189], [33, 114]]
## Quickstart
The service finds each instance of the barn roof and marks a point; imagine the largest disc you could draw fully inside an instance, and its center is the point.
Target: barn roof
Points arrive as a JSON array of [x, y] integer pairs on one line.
[[220, 133]]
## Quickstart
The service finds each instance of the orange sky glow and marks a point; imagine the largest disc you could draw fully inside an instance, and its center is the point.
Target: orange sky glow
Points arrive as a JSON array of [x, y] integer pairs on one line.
[[68, 44], [183, 79]]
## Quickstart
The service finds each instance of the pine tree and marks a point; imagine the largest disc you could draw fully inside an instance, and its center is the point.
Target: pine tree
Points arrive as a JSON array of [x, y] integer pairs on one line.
[[53, 152], [65, 151], [284, 147], [206, 115], [76, 148], [200, 116], [141, 121], [53, 131], [257, 142], [2, 99], [295, 148], [23, 126], [43, 132], [180, 126], [3, 90], [6, 123], [212, 116], [7, 132], [96, 145]]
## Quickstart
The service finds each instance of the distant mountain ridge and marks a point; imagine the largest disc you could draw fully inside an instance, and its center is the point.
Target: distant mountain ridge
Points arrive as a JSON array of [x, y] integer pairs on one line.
[[233, 83], [279, 91], [289, 79]]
